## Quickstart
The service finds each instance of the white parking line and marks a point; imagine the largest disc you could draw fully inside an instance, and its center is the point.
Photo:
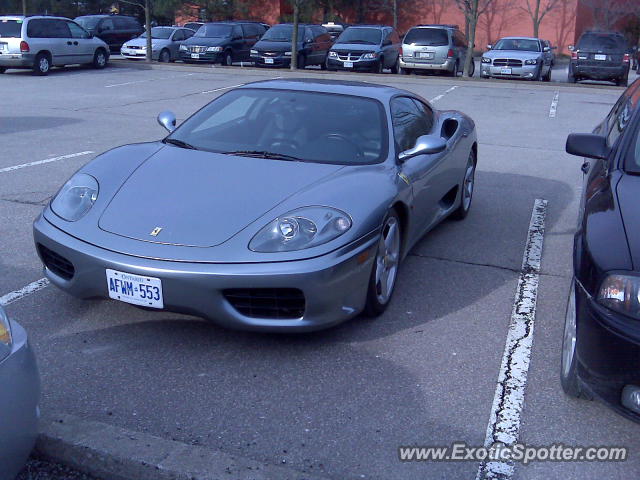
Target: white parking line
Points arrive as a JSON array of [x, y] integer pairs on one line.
[[147, 80], [554, 105], [508, 400], [46, 160], [24, 291], [438, 97], [223, 88]]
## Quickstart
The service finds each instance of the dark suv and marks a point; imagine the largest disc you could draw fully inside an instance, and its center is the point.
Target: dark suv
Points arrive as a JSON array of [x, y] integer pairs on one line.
[[600, 56], [370, 48], [274, 49], [222, 42], [114, 30]]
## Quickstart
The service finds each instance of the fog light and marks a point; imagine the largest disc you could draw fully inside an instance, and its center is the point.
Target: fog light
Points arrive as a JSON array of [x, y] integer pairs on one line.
[[631, 398]]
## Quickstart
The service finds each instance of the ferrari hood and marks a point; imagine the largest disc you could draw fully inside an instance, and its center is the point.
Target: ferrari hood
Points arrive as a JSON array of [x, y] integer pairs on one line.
[[201, 199]]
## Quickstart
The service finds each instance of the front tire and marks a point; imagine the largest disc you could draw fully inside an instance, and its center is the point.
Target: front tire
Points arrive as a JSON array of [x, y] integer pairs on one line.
[[569, 378], [42, 64], [227, 60], [468, 184], [100, 59], [378, 67], [385, 266], [302, 62], [165, 56]]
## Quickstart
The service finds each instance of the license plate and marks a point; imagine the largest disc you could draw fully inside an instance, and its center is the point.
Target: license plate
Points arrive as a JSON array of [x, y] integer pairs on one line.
[[427, 55], [195, 55], [135, 289], [348, 64], [600, 57], [505, 71], [268, 60]]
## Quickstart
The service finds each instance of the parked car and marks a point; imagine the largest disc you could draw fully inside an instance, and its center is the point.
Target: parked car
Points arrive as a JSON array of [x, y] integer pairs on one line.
[[370, 48], [19, 397], [549, 53], [435, 48], [222, 42], [600, 56], [274, 48], [193, 25], [517, 57], [601, 344], [39, 43], [165, 44], [349, 194], [115, 30], [334, 29]]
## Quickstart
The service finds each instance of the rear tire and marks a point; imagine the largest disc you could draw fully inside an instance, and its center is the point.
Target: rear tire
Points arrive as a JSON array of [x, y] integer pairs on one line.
[[100, 59], [472, 68], [396, 67], [227, 59], [405, 71], [2, 70], [42, 64], [623, 82], [454, 72], [569, 378], [571, 78], [468, 184], [165, 56], [547, 77]]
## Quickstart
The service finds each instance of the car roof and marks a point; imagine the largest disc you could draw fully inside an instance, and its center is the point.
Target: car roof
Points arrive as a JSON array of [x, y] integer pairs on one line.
[[369, 26], [30, 17], [520, 38], [438, 25], [344, 87]]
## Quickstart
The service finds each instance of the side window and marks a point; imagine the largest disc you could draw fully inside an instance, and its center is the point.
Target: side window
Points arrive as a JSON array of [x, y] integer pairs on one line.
[[37, 28], [133, 24], [106, 25], [178, 35], [120, 23], [411, 119], [232, 112], [187, 33], [59, 29], [237, 31], [620, 121], [77, 31]]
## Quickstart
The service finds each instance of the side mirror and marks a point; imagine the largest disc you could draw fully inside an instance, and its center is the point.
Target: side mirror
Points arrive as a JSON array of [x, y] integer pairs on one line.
[[489, 47], [425, 145], [571, 48], [546, 49], [168, 120], [587, 145]]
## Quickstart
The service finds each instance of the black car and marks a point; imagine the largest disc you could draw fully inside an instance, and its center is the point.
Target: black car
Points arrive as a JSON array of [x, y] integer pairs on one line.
[[600, 56], [274, 48], [370, 48], [222, 42], [601, 345], [114, 30], [193, 25]]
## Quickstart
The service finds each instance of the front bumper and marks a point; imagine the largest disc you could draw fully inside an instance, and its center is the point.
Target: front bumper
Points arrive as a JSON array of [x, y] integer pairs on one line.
[[206, 57], [409, 63], [19, 397], [277, 61], [527, 72], [599, 72], [17, 60], [334, 285], [357, 65], [608, 351], [136, 54]]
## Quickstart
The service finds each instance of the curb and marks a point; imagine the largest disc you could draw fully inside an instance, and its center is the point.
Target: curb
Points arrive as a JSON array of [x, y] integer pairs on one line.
[[114, 453]]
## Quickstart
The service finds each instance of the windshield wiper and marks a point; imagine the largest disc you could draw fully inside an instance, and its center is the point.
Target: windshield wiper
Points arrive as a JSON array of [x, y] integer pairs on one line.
[[264, 154], [179, 143], [367, 42]]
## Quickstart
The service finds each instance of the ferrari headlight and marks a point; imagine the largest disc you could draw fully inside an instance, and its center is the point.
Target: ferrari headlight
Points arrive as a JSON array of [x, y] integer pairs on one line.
[[370, 55], [5, 335], [76, 197], [531, 61], [486, 60], [302, 228], [214, 49], [621, 293], [333, 54], [183, 48]]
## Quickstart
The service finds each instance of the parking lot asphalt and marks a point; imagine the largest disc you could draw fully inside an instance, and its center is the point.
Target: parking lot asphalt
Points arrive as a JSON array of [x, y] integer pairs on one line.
[[338, 402]]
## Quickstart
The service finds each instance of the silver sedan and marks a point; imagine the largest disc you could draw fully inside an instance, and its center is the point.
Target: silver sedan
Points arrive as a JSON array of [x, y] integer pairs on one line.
[[517, 57], [258, 212], [165, 43], [19, 397]]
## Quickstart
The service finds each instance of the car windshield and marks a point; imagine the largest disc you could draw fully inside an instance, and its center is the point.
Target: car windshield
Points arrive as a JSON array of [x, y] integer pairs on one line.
[[521, 44], [192, 26], [214, 31], [10, 28], [88, 22], [427, 37], [601, 41], [272, 123], [160, 33], [281, 33], [371, 36]]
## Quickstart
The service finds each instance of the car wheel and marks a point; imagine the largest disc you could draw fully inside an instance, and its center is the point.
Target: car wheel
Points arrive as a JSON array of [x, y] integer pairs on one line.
[[468, 184], [454, 72], [547, 77], [165, 56], [405, 71], [377, 68], [301, 62], [2, 70], [569, 378], [325, 65], [571, 78], [385, 266], [227, 60], [473, 68], [396, 66], [42, 64], [100, 59]]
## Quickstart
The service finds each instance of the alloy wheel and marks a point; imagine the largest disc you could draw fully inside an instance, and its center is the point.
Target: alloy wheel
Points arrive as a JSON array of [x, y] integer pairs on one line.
[[387, 260]]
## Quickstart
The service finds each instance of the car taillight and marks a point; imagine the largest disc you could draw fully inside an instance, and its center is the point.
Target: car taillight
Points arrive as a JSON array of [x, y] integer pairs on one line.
[[626, 58], [24, 46], [450, 53], [400, 51], [574, 55]]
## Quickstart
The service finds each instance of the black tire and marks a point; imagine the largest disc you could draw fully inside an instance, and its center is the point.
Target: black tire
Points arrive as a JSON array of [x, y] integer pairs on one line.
[[547, 77], [302, 62], [571, 78], [473, 68], [165, 56], [377, 68], [42, 64], [569, 378], [454, 72], [395, 68], [100, 59], [227, 59], [405, 71], [375, 305], [468, 184], [2, 70]]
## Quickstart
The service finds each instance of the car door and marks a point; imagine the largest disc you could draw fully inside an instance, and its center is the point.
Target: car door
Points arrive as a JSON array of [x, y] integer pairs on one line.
[[177, 38], [62, 47], [239, 47], [106, 32], [83, 46], [412, 119], [387, 48]]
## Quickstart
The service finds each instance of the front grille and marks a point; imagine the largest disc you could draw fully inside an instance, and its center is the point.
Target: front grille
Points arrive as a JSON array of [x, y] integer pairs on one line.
[[277, 303], [507, 62], [135, 47], [350, 56], [56, 263], [197, 49], [270, 54]]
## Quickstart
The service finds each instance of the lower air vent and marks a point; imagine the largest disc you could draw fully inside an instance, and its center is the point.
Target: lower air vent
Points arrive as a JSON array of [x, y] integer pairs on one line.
[[277, 303], [56, 263]]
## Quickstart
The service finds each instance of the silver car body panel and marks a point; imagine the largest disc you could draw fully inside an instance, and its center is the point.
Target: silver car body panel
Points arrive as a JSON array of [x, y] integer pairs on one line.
[[511, 63], [434, 58], [136, 49]]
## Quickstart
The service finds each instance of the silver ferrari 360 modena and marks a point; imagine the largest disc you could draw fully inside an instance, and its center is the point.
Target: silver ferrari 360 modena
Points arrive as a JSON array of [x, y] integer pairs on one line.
[[282, 205]]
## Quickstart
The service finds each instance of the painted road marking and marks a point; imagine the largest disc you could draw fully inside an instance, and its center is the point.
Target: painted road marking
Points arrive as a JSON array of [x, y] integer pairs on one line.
[[438, 97], [554, 105], [42, 162], [508, 401], [24, 291], [147, 80], [223, 88]]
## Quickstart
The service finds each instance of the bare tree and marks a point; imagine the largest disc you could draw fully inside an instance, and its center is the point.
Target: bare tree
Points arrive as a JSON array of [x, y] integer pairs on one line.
[[607, 13], [472, 10], [145, 5], [499, 15], [538, 9], [437, 7], [564, 19]]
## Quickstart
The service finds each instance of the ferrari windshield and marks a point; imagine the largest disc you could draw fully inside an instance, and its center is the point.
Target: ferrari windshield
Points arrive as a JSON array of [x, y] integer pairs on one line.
[[288, 125], [521, 44]]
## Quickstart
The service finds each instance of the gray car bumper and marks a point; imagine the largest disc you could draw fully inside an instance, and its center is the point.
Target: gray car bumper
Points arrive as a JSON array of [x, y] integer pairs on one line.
[[17, 60], [334, 285], [526, 71], [409, 63], [19, 396]]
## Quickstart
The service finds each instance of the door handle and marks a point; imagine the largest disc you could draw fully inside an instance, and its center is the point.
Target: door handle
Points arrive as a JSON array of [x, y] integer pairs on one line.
[[75, 43], [68, 43], [585, 167]]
